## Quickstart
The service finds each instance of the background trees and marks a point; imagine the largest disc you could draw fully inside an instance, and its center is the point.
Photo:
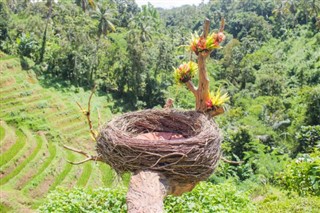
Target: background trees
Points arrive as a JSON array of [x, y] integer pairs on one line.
[[269, 64]]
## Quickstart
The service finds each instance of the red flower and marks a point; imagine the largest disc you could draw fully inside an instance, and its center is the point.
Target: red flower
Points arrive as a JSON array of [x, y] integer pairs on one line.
[[201, 43], [209, 104]]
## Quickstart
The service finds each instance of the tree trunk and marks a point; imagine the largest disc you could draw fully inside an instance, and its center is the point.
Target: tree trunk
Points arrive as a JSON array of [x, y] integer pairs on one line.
[[203, 94], [147, 190], [203, 88]]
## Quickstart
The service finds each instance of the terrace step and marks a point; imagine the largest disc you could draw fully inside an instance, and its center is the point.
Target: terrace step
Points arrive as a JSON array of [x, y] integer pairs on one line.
[[29, 155]]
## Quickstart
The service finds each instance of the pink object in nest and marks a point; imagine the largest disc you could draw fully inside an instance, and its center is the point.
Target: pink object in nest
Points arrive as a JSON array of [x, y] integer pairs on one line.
[[159, 136]]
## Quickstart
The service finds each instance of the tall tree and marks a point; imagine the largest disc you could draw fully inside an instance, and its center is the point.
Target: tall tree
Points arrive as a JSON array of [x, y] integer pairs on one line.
[[104, 15], [44, 37]]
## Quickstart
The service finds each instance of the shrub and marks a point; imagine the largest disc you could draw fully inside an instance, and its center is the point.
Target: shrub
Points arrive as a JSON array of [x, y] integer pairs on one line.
[[302, 175], [206, 197], [308, 138], [313, 106], [101, 200]]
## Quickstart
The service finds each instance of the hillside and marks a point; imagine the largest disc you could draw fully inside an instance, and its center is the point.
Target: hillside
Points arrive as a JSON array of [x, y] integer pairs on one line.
[[35, 122], [267, 60]]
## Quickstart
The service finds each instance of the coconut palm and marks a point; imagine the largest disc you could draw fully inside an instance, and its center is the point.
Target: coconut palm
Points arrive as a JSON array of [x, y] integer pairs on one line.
[[44, 37], [104, 15], [85, 3]]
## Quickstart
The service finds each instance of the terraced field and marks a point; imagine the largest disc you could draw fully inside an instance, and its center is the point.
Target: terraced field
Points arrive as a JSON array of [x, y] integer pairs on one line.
[[34, 123]]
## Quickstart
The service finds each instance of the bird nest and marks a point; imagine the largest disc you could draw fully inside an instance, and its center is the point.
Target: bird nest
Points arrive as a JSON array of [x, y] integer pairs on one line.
[[190, 156]]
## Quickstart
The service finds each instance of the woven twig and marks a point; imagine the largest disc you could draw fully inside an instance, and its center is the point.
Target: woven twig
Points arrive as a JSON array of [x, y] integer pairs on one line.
[[189, 159]]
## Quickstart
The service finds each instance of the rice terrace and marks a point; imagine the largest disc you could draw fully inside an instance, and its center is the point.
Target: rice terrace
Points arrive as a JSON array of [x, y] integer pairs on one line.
[[130, 106]]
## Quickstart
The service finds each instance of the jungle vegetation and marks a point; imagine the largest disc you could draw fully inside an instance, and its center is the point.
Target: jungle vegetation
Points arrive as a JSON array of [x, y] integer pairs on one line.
[[269, 64]]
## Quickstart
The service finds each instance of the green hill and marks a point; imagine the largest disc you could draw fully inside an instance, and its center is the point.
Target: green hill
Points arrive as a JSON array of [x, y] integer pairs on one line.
[[35, 122]]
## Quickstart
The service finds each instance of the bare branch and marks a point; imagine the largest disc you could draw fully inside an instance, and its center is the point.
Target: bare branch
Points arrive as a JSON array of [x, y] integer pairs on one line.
[[221, 25], [80, 162], [206, 28], [77, 151], [232, 162], [191, 87], [88, 112], [89, 157], [82, 110], [99, 118]]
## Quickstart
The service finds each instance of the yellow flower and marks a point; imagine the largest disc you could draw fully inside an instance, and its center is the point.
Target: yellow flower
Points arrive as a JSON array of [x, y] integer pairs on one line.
[[216, 99], [185, 72]]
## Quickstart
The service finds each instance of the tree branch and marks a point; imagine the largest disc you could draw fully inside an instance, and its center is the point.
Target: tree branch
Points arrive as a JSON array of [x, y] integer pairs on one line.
[[221, 25], [231, 162], [191, 87], [87, 114], [203, 85], [206, 28], [89, 157]]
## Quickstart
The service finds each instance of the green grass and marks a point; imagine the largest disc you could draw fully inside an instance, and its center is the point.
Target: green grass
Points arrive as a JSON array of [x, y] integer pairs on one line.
[[108, 174], [2, 133], [23, 164], [7, 57], [4, 208], [9, 154], [24, 102], [278, 201], [52, 154], [64, 173], [85, 175]]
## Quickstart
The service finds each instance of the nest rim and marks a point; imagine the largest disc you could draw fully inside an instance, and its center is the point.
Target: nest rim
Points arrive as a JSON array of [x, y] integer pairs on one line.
[[199, 150]]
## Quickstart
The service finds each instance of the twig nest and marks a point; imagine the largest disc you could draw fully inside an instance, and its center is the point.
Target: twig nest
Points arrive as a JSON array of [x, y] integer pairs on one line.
[[184, 146]]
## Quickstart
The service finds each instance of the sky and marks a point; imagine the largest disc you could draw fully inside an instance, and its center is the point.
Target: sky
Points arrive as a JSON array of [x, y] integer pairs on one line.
[[167, 4]]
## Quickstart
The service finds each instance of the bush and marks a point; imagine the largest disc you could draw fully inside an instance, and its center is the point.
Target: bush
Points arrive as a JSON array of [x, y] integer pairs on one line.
[[101, 200], [313, 106], [206, 197], [308, 138], [302, 175]]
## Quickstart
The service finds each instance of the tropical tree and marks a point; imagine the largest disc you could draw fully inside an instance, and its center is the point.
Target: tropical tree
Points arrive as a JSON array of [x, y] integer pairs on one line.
[[104, 15], [84, 4], [44, 37], [146, 23]]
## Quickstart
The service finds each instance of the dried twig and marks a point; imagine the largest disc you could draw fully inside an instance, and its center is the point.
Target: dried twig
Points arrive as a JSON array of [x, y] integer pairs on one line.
[[99, 118], [231, 162], [89, 157], [221, 25], [191, 87], [87, 114], [191, 158]]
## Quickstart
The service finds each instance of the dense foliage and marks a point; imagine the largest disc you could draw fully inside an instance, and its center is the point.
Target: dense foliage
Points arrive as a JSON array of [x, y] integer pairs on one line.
[[205, 198], [269, 64]]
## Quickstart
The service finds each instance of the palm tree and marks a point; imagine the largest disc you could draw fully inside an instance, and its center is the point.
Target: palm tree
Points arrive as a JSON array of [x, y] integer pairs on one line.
[[44, 37], [145, 24], [85, 3], [105, 17]]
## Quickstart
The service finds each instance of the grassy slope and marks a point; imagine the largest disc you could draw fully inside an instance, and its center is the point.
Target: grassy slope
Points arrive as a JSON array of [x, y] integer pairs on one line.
[[35, 121]]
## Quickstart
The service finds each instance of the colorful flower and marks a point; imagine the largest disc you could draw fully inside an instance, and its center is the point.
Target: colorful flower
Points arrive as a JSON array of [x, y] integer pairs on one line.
[[216, 99], [199, 44], [185, 72]]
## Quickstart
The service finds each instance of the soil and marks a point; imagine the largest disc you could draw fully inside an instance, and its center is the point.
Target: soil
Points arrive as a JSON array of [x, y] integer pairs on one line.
[[8, 82], [31, 171], [18, 161], [8, 141], [43, 188]]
